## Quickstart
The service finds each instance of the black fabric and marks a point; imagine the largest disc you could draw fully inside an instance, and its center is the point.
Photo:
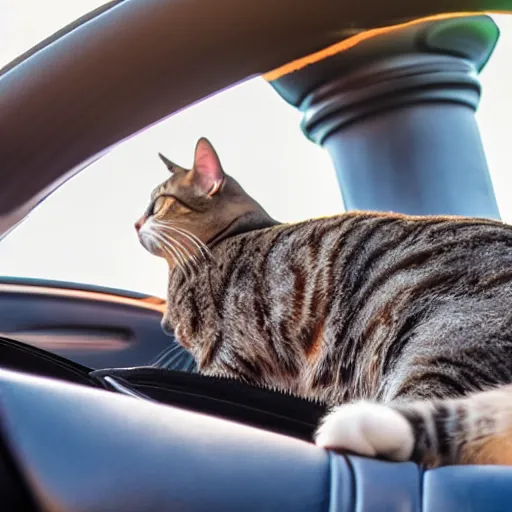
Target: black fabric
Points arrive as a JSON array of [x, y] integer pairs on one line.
[[28, 359], [226, 398]]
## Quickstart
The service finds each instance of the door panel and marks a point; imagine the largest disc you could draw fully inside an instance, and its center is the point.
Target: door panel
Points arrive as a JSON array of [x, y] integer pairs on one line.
[[94, 326]]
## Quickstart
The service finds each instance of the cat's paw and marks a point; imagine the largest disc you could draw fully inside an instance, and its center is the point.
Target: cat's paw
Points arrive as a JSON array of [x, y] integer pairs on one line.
[[363, 428]]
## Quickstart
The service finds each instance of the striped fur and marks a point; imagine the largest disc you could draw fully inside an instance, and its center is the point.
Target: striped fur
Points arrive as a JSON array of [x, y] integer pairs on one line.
[[361, 308]]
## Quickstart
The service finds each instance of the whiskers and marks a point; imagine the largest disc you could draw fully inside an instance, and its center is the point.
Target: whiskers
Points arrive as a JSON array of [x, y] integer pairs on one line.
[[175, 357], [183, 248]]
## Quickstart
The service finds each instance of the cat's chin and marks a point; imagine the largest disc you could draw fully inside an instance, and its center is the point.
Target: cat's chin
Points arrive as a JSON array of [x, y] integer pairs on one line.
[[154, 251], [150, 245]]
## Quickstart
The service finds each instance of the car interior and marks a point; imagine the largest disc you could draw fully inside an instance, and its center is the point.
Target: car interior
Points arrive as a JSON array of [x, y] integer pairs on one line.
[[100, 410]]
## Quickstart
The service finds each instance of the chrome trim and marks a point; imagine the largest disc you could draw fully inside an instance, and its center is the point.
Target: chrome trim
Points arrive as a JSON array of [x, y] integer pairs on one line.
[[123, 389], [69, 340], [82, 295]]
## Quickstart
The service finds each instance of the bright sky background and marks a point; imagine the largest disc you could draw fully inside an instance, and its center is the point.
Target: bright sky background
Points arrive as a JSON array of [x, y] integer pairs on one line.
[[84, 232]]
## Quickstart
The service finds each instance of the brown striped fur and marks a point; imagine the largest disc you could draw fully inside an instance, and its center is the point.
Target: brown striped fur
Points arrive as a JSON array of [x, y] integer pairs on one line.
[[414, 312]]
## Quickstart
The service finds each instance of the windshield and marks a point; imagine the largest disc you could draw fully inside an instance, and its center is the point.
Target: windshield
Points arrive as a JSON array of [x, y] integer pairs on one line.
[[24, 23], [84, 232]]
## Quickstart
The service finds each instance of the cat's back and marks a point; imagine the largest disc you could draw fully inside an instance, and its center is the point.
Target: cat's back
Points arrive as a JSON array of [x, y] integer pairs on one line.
[[436, 239], [348, 287], [359, 261], [372, 250]]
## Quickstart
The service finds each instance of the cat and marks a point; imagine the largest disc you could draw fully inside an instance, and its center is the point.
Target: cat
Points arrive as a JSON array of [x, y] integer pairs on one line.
[[401, 324]]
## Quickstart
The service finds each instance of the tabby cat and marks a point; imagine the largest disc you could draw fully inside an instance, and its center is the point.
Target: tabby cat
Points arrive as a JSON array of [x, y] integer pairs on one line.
[[402, 324]]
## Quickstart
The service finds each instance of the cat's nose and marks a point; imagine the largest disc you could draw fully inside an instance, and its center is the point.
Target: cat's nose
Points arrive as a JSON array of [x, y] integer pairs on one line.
[[138, 224]]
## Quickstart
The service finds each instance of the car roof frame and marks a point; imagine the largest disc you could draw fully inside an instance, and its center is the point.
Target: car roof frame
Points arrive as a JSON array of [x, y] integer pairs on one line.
[[136, 62]]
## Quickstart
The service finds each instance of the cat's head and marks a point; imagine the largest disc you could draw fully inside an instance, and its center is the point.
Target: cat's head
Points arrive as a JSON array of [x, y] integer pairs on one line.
[[195, 208]]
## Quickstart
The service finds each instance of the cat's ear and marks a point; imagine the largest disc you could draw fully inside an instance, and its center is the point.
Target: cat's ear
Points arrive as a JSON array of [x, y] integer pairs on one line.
[[207, 172], [170, 165]]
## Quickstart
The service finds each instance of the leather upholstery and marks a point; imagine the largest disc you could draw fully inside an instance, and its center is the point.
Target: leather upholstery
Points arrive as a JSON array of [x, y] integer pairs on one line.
[[486, 488], [81, 449]]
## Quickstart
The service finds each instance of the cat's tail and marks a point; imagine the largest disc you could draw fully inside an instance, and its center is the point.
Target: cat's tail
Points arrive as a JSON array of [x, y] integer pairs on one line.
[[476, 429]]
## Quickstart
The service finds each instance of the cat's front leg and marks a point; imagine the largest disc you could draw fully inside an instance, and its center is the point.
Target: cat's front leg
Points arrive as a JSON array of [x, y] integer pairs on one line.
[[472, 430]]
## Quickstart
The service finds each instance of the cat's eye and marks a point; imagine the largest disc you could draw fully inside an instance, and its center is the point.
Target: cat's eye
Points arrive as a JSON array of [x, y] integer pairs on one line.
[[158, 203]]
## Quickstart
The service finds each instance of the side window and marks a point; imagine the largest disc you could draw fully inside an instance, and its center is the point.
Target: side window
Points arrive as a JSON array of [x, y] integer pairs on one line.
[[84, 231], [24, 23], [494, 116]]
